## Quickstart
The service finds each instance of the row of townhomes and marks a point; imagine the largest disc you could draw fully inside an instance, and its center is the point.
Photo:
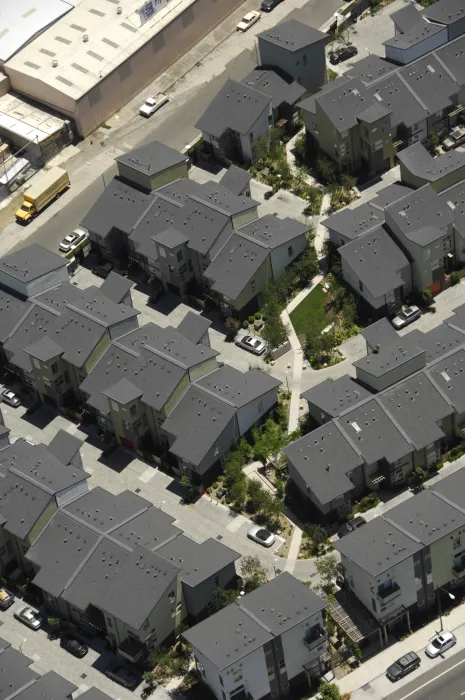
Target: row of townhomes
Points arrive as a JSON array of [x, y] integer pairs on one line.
[[20, 681], [86, 549], [402, 410], [409, 237], [191, 236], [149, 388]]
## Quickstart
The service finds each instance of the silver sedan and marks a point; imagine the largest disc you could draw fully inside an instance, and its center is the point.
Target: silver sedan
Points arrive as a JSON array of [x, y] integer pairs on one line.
[[260, 535]]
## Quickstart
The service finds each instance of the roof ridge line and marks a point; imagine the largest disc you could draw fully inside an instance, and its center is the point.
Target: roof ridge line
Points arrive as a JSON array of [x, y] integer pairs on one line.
[[402, 529], [347, 437], [412, 91]]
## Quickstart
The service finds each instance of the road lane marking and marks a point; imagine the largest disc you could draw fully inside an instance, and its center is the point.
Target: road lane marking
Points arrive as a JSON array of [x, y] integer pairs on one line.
[[420, 687]]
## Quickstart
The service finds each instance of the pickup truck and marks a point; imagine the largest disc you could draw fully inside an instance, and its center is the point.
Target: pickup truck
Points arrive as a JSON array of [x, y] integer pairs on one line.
[[152, 104], [49, 185]]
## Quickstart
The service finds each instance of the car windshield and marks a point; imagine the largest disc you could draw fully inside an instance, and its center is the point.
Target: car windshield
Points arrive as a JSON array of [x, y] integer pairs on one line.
[[436, 643], [263, 534], [25, 207], [257, 343], [395, 669]]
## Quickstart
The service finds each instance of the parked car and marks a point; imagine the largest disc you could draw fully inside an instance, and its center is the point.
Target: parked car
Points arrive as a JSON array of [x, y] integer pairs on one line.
[[408, 315], [342, 54], [248, 20], [30, 617], [440, 643], [152, 104], [260, 535], [73, 239], [6, 599], [403, 666], [11, 398], [268, 5], [123, 676], [351, 525], [251, 343], [74, 647], [103, 270]]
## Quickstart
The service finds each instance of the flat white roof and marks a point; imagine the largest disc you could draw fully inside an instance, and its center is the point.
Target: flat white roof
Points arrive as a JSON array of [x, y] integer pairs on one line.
[[27, 121], [21, 20], [91, 41]]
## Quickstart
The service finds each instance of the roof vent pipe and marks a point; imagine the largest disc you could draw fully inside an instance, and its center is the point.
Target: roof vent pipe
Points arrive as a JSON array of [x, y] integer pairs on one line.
[[85, 37], [119, 10], [54, 63]]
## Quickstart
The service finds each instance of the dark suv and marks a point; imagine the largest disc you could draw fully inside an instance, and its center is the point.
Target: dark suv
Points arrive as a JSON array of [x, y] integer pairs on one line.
[[351, 525], [268, 5], [403, 666], [342, 54]]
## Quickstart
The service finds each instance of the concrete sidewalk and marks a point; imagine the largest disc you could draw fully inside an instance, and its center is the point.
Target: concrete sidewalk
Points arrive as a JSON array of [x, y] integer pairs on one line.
[[370, 682]]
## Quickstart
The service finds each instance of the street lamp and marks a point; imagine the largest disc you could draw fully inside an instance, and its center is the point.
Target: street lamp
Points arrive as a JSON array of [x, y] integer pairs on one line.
[[451, 596]]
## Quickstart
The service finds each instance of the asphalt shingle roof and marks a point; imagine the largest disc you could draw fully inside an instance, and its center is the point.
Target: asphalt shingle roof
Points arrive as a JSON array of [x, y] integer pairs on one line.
[[119, 206], [445, 11], [235, 387], [236, 264], [236, 179], [421, 31], [115, 287], [406, 108], [12, 311], [197, 562], [236, 107], [334, 397], [449, 376], [292, 35], [430, 82], [370, 68], [352, 223], [64, 446], [452, 489], [426, 517], [376, 261], [421, 163], [453, 56], [390, 194], [152, 158], [437, 342], [421, 216], [406, 18], [389, 358], [31, 262], [380, 334], [194, 326], [270, 83], [344, 104], [273, 231]]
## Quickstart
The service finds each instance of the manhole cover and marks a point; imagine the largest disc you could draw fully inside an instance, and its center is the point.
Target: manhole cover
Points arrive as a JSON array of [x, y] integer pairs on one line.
[[137, 490], [219, 537], [83, 675]]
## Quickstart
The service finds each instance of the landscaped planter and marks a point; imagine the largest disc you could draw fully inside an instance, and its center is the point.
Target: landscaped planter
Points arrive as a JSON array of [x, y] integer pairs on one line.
[[281, 350]]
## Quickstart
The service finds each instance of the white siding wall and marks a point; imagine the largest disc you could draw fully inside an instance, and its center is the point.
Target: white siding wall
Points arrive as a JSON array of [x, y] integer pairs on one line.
[[68, 495], [296, 653], [280, 257], [254, 674], [253, 411], [404, 56], [39, 285], [258, 130]]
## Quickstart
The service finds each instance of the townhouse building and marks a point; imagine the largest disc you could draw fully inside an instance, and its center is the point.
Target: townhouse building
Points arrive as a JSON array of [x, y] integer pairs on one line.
[[268, 643], [189, 236], [112, 565], [418, 168]]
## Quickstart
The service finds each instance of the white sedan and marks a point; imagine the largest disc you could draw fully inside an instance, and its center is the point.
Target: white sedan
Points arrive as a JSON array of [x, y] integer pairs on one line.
[[73, 239], [151, 105], [247, 21], [251, 343], [440, 643]]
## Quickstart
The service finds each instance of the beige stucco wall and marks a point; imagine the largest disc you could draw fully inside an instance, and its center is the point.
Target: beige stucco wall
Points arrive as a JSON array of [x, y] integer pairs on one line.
[[158, 180], [42, 521]]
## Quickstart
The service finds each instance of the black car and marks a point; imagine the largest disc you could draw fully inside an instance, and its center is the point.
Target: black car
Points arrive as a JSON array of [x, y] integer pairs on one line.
[[403, 666], [342, 54], [103, 270], [351, 525], [268, 5], [74, 647]]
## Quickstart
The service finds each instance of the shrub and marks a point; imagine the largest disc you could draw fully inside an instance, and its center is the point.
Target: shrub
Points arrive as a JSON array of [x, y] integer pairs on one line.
[[269, 194], [245, 324], [369, 501], [251, 319], [258, 315], [454, 278]]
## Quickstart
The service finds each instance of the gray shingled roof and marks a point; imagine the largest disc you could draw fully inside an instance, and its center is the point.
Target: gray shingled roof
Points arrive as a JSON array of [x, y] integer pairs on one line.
[[197, 562], [123, 391], [308, 104], [426, 518], [103, 512], [449, 376], [377, 546], [292, 35], [453, 55], [44, 349], [197, 422], [374, 433], [272, 84], [219, 197], [21, 503], [236, 264], [421, 216], [437, 342], [152, 529], [334, 397], [452, 489], [244, 635], [152, 158], [421, 31], [236, 179], [194, 326], [376, 261], [344, 104], [422, 164], [170, 238], [352, 223], [389, 358], [457, 320], [237, 388], [12, 311], [15, 672], [119, 206], [445, 11], [418, 407], [236, 107], [374, 112], [323, 458], [430, 82], [406, 108], [64, 446], [50, 686], [370, 68], [406, 17], [380, 334], [390, 194], [31, 262], [273, 231], [115, 287]]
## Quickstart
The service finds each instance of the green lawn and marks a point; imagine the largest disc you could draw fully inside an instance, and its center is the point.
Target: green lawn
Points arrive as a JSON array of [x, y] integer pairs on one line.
[[312, 306]]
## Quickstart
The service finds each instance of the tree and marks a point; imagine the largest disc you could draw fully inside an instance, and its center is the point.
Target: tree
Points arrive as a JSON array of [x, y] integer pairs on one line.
[[306, 267], [328, 691], [232, 324], [232, 474], [348, 312], [326, 170], [238, 492], [268, 440], [224, 597], [186, 483], [256, 495], [275, 332], [328, 570], [260, 149], [253, 573], [318, 535], [272, 507]]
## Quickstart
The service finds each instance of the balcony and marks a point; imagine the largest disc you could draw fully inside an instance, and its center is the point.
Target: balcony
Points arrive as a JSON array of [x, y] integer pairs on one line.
[[388, 593], [314, 637]]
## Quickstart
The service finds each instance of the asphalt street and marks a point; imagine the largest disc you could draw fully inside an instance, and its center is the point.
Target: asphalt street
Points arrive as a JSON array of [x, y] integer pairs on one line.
[[446, 682], [173, 125]]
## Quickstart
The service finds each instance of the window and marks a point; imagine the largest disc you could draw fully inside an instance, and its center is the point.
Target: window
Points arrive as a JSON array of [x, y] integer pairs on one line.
[[216, 449], [270, 670], [179, 255], [221, 682], [114, 405], [290, 251], [304, 59], [217, 580], [36, 363], [282, 665], [54, 368], [456, 542], [252, 284], [133, 410], [373, 604], [171, 597], [162, 252], [251, 137], [360, 286], [237, 676]]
